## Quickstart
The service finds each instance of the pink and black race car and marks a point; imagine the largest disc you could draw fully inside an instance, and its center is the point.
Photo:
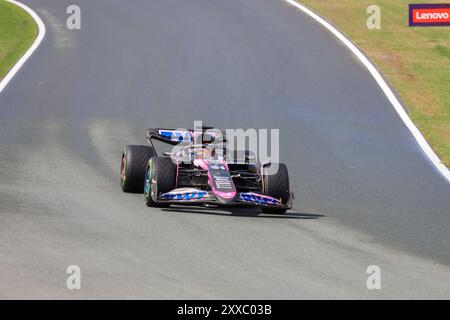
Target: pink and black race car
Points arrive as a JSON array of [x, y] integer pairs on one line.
[[198, 171]]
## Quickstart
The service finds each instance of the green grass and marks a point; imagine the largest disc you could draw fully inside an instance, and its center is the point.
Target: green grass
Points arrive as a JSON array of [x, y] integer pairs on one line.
[[415, 60], [17, 33]]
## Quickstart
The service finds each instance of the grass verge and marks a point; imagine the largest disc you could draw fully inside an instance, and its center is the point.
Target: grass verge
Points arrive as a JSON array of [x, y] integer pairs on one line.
[[415, 60], [17, 33]]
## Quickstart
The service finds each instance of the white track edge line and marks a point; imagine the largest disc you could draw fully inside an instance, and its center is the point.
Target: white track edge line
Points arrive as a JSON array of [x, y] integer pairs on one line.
[[30, 51], [383, 85]]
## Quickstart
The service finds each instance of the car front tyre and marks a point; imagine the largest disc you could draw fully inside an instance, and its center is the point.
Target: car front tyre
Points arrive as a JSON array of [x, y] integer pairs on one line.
[[276, 186], [160, 177]]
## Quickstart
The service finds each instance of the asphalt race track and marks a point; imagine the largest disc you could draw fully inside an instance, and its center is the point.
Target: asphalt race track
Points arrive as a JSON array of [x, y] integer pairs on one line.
[[365, 192]]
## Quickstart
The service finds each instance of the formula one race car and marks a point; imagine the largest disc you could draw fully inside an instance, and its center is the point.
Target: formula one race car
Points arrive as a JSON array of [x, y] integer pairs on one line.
[[198, 171]]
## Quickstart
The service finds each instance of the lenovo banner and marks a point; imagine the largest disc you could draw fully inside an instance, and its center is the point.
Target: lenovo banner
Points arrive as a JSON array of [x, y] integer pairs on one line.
[[429, 14]]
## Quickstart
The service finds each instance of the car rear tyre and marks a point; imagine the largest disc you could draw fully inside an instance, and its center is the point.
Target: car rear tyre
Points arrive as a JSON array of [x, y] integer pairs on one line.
[[132, 170], [276, 186], [162, 173]]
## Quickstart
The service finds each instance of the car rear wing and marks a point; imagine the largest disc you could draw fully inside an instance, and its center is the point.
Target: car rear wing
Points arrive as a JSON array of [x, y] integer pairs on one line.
[[169, 136], [176, 136]]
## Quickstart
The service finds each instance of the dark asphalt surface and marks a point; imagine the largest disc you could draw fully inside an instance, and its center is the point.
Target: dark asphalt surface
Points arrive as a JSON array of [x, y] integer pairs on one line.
[[365, 192]]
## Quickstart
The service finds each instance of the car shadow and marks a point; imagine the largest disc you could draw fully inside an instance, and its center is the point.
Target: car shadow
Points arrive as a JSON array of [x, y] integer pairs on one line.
[[243, 212]]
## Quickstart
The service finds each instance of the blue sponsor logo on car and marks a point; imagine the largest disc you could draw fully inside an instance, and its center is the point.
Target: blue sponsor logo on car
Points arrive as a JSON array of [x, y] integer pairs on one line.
[[175, 135], [251, 197], [184, 196]]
